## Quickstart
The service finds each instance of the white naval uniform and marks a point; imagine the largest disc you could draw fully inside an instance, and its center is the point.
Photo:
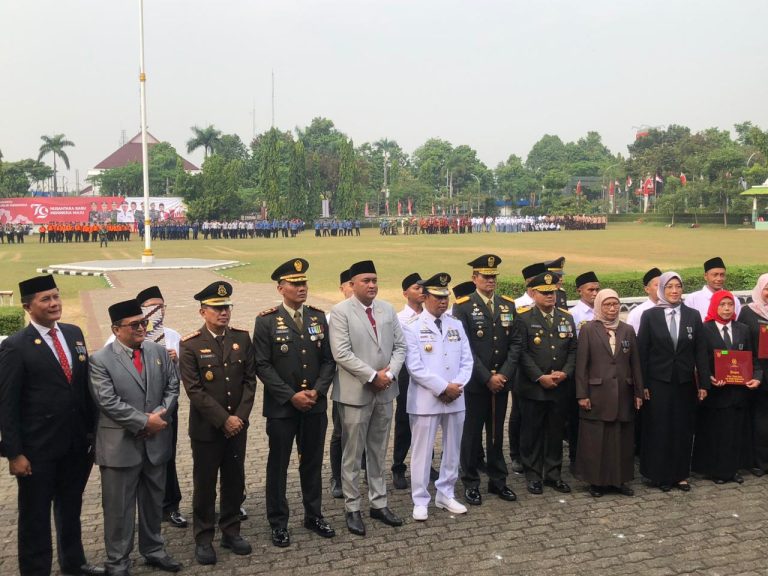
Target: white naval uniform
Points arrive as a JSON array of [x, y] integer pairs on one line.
[[434, 360], [524, 300], [636, 314], [581, 315], [700, 301]]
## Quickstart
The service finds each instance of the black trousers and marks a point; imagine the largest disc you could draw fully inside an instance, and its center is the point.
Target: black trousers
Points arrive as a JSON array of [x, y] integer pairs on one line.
[[514, 429], [541, 438], [226, 455], [59, 482], [572, 419], [309, 432], [481, 410], [402, 424], [172, 491]]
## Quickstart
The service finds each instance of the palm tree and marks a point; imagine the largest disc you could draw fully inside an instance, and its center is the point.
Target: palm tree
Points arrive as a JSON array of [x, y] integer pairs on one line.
[[55, 145], [207, 138]]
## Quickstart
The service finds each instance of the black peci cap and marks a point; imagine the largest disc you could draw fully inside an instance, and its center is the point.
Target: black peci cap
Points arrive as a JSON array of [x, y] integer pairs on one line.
[[533, 270], [463, 289], [124, 309], [149, 294], [36, 284], [344, 277], [363, 267], [586, 278], [715, 262], [650, 275], [410, 280]]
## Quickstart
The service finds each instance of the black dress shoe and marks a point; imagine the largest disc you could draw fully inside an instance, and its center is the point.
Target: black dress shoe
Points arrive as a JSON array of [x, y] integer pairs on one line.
[[399, 481], [355, 523], [665, 487], [558, 485], [472, 496], [517, 466], [281, 537], [387, 516], [85, 570], [595, 491], [319, 526], [738, 478], [505, 492], [626, 490], [176, 519], [719, 481], [243, 514], [683, 486], [336, 490], [757, 472], [205, 554], [237, 544], [433, 474], [534, 487], [164, 563]]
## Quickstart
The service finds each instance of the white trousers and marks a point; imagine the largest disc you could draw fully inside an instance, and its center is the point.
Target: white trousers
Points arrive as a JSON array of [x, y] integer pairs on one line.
[[423, 433]]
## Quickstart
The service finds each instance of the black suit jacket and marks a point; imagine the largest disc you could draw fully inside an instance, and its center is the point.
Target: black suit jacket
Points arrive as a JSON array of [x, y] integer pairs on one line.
[[289, 360], [493, 338], [725, 396], [660, 361], [42, 416]]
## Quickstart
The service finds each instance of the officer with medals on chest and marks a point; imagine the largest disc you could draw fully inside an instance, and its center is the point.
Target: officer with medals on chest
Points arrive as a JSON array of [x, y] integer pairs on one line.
[[218, 372], [488, 321], [294, 361], [547, 360]]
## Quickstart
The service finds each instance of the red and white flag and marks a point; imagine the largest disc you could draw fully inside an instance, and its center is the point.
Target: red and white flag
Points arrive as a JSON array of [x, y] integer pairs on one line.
[[683, 179], [410, 207], [648, 186], [387, 206], [399, 208], [366, 209], [611, 189]]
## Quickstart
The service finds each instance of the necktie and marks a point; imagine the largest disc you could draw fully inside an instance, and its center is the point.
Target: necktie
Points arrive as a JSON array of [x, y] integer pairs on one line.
[[137, 360], [548, 320], [372, 320], [298, 320], [673, 327], [612, 340], [439, 324], [490, 305], [61, 354], [727, 338]]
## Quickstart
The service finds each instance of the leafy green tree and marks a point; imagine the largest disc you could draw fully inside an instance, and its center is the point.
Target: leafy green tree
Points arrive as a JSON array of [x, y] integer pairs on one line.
[[298, 194], [346, 200], [55, 145], [269, 174], [207, 138], [231, 147]]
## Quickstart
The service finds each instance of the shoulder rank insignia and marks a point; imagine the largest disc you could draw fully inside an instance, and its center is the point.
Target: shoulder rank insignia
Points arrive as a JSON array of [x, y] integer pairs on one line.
[[462, 300], [523, 309], [234, 329], [412, 319], [191, 335], [268, 311], [507, 298], [315, 308], [565, 311]]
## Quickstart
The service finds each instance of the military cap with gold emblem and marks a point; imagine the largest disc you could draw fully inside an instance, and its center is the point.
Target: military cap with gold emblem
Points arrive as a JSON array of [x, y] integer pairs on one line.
[[295, 270], [216, 294], [556, 265], [486, 264], [437, 285], [546, 282]]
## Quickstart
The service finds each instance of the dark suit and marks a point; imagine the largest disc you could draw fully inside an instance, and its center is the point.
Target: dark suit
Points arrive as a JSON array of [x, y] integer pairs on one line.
[[51, 423], [543, 411], [756, 455], [495, 346], [220, 381], [720, 424], [289, 360], [669, 375]]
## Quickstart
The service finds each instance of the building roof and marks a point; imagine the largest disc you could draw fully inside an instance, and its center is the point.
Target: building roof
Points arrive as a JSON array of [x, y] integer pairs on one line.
[[130, 152]]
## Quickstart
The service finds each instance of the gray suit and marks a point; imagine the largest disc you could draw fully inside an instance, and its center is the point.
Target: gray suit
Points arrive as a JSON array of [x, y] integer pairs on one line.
[[366, 415], [132, 468]]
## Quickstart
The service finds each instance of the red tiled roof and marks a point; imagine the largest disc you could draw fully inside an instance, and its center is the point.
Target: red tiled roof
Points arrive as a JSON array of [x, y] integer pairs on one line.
[[131, 152]]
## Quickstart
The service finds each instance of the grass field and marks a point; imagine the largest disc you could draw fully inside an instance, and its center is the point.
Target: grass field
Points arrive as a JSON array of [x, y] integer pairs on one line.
[[622, 247]]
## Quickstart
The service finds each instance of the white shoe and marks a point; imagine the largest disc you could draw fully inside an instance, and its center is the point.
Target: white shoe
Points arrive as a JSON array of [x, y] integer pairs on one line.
[[450, 504], [420, 513]]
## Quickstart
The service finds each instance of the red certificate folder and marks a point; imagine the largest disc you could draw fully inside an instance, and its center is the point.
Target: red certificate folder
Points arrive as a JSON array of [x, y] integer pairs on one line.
[[733, 366], [762, 344]]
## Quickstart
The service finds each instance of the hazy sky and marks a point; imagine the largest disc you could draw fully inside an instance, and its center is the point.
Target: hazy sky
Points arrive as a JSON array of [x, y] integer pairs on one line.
[[495, 75]]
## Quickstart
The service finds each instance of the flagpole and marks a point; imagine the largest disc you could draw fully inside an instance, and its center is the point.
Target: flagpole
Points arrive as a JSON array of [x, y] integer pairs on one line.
[[147, 257]]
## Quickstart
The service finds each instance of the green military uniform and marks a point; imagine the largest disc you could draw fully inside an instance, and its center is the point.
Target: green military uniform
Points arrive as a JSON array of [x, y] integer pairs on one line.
[[219, 376], [545, 348], [292, 357], [495, 348]]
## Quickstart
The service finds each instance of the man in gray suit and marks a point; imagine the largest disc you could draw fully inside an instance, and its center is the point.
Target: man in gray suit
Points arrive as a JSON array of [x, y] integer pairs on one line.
[[135, 386], [369, 348]]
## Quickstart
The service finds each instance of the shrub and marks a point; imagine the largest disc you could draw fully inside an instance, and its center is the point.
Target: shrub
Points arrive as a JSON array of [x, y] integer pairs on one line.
[[11, 320]]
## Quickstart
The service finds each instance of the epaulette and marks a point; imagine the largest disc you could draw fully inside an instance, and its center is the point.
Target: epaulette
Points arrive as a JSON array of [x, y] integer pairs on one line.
[[523, 309], [315, 308], [268, 311], [191, 335], [565, 310], [462, 300], [508, 299], [412, 319], [234, 329]]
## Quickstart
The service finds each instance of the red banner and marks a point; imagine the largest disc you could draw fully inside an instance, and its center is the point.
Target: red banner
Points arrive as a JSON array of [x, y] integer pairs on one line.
[[85, 209]]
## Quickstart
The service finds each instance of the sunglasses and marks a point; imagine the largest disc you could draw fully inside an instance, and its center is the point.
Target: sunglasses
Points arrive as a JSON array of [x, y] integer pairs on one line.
[[134, 325]]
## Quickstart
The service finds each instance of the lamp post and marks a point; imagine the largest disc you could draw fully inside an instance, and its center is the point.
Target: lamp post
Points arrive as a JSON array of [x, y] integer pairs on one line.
[[147, 257]]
